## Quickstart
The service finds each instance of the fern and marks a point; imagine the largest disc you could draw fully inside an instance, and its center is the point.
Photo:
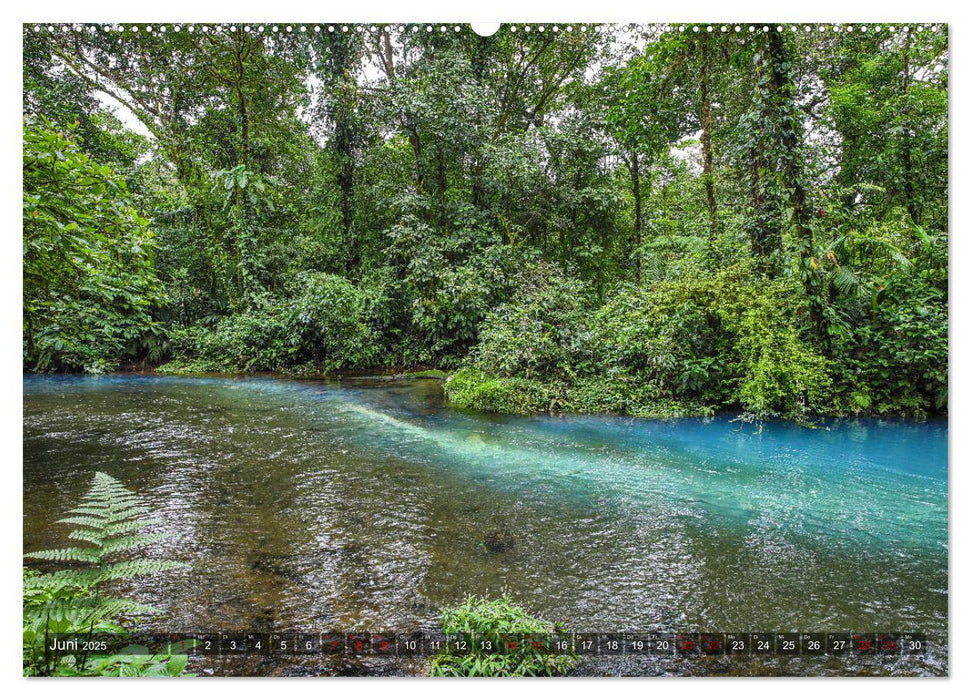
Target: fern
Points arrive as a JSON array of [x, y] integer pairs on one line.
[[108, 513], [69, 601]]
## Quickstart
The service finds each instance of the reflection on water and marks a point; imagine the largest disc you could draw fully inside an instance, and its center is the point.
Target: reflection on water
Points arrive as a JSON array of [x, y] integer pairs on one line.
[[364, 505]]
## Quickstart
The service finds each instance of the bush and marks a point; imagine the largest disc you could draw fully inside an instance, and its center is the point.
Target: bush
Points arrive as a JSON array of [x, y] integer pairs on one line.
[[892, 348], [473, 389], [681, 347], [782, 375], [331, 318], [728, 340], [654, 334], [262, 339], [491, 624], [449, 280], [544, 333], [621, 392]]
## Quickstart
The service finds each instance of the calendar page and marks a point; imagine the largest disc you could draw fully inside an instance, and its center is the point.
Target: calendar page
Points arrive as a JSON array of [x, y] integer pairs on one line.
[[514, 349]]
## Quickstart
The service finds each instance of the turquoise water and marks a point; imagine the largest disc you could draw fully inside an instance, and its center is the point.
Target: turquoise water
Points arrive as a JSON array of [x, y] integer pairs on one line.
[[365, 505]]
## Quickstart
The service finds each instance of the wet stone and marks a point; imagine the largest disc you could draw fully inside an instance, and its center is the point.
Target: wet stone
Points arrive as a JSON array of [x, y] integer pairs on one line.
[[499, 541]]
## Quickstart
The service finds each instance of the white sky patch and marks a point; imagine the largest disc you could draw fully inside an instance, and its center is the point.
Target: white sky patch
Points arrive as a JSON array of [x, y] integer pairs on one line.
[[689, 151], [125, 115]]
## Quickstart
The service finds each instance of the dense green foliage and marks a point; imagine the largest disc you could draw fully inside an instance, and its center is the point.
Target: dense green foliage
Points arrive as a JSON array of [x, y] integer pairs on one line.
[[323, 324], [498, 625], [88, 280], [72, 602], [680, 347], [591, 219]]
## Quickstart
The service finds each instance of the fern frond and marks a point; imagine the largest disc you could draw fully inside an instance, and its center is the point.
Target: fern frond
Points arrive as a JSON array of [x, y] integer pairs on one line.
[[85, 521], [83, 612], [138, 567], [120, 544], [100, 512], [87, 611], [88, 578], [67, 578], [126, 513], [117, 510], [108, 511], [48, 585], [846, 282], [128, 526], [85, 535], [80, 554], [107, 608]]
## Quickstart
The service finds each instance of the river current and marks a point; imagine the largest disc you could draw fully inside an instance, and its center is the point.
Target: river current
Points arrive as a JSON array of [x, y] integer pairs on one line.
[[366, 504]]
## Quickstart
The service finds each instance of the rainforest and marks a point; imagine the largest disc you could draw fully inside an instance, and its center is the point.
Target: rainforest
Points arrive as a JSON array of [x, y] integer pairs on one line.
[[627, 331], [652, 220]]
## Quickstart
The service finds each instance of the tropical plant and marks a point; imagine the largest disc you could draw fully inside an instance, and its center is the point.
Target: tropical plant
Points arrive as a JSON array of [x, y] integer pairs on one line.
[[89, 283], [500, 625], [73, 601]]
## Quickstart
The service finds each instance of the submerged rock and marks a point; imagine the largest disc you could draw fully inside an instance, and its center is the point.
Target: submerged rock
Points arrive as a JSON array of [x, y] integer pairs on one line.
[[499, 541]]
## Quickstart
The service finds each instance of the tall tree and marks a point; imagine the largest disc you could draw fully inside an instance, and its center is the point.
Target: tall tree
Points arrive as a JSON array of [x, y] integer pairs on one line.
[[648, 109], [338, 58]]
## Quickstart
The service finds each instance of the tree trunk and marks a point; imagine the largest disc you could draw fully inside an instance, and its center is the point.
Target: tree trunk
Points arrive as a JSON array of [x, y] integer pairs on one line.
[[241, 105], [634, 165], [790, 119], [344, 152], [906, 145], [442, 176], [706, 151], [415, 140], [478, 69], [241, 205]]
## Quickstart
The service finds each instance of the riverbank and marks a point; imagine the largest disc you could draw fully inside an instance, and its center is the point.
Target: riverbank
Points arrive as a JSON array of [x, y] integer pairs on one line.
[[475, 390], [192, 368]]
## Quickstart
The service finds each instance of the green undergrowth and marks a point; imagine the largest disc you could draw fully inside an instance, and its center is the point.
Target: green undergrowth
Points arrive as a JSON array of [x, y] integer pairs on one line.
[[490, 625]]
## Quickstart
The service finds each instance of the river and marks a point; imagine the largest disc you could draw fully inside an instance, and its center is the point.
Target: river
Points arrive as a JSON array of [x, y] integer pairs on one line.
[[364, 504]]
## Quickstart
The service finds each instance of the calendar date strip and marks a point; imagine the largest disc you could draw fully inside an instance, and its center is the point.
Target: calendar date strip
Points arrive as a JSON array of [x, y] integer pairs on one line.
[[428, 643]]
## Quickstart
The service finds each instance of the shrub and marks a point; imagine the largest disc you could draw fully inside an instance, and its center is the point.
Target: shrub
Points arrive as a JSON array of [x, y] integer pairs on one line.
[[473, 389], [621, 392], [892, 344], [543, 333], [781, 375], [653, 333], [729, 339], [330, 317], [449, 279], [490, 624], [898, 359], [324, 324], [262, 339]]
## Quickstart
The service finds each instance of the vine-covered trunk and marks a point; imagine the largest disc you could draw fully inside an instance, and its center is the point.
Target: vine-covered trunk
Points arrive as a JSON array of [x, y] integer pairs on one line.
[[789, 118], [707, 157], [634, 165], [906, 145]]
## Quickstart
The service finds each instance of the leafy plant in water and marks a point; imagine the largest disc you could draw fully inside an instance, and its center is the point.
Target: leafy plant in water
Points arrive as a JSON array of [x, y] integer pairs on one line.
[[72, 602], [494, 622]]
